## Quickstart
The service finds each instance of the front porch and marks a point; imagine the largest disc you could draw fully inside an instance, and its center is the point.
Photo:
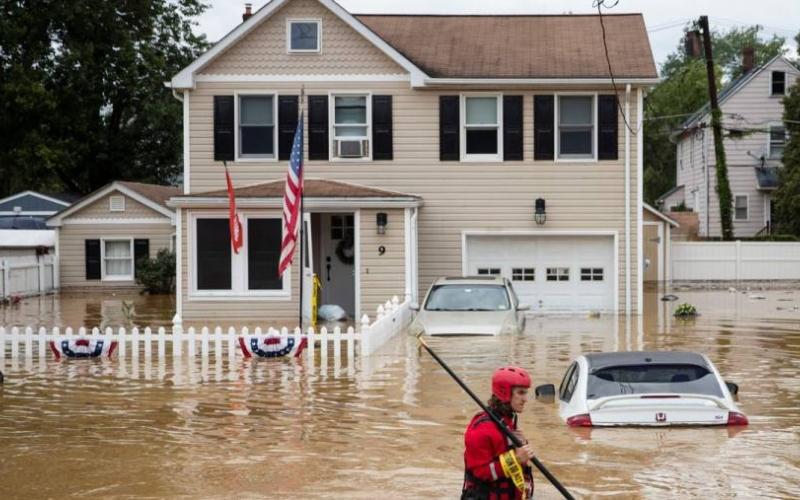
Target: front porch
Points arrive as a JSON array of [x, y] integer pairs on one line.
[[360, 244]]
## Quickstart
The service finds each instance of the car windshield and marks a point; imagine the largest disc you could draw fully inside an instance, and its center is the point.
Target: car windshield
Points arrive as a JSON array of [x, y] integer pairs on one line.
[[467, 298], [652, 378]]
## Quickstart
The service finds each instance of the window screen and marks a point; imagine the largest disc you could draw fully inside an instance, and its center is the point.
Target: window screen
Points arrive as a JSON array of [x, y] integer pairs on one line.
[[256, 126], [575, 126]]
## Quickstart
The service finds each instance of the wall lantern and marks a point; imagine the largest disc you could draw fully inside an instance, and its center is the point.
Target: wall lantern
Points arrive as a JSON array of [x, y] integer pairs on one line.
[[540, 215], [381, 220]]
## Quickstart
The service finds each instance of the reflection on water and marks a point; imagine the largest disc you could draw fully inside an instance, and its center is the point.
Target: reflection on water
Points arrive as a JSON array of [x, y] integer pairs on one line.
[[391, 426]]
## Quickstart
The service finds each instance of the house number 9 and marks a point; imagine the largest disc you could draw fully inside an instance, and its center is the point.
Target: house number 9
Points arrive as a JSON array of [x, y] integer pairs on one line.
[[381, 250]]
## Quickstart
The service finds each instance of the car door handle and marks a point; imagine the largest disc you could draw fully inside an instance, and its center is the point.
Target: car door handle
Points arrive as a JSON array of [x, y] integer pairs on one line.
[[328, 266]]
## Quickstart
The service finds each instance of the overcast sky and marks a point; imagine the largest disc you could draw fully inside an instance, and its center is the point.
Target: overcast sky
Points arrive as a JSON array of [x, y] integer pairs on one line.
[[664, 18]]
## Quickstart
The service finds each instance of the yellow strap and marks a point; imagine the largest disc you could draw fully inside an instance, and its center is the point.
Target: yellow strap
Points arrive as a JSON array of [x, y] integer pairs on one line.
[[512, 469]]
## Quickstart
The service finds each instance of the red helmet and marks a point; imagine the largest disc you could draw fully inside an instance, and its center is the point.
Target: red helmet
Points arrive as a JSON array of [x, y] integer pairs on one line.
[[507, 377]]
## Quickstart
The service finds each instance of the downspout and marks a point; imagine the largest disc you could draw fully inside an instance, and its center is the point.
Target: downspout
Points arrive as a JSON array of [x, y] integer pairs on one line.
[[176, 95], [627, 203], [414, 255]]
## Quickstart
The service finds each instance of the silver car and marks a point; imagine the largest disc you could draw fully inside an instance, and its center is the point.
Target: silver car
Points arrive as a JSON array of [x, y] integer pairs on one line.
[[483, 305]]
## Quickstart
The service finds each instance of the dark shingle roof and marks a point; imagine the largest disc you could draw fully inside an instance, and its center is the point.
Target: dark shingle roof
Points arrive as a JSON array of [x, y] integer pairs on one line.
[[519, 46], [312, 188]]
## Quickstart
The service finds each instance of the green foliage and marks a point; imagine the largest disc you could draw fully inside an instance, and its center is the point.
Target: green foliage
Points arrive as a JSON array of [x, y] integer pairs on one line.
[[787, 196], [82, 97], [157, 275], [684, 90], [685, 310]]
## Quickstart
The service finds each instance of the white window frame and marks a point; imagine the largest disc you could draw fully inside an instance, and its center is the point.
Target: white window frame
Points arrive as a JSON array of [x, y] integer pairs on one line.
[[239, 279], [591, 274], [769, 138], [523, 274], [558, 274], [103, 276], [237, 126], [490, 271], [557, 129], [463, 128], [747, 207], [111, 203], [367, 95], [289, 23], [785, 82]]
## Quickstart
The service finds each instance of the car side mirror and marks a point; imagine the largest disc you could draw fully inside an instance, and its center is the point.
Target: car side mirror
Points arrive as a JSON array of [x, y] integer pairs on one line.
[[545, 393], [414, 306], [524, 307], [733, 388]]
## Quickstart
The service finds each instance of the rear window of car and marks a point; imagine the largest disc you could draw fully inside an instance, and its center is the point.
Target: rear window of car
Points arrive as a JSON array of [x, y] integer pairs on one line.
[[467, 298], [652, 378]]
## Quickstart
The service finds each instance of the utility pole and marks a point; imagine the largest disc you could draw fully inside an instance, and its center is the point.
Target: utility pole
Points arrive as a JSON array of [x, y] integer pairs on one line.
[[723, 186]]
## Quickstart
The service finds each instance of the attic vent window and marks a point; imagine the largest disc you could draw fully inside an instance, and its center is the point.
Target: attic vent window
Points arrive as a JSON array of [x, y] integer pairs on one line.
[[116, 204], [303, 35]]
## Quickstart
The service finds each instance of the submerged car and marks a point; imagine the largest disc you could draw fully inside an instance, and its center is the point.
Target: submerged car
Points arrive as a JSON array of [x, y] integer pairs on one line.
[[483, 305], [644, 389]]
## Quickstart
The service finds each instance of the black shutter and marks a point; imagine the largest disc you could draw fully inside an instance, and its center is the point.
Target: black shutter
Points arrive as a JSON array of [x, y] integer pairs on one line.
[[607, 122], [543, 127], [223, 128], [141, 250], [92, 259], [449, 123], [512, 128], [382, 127], [317, 127], [287, 124]]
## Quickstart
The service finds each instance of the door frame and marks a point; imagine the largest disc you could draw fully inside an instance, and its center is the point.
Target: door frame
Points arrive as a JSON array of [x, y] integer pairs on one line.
[[660, 254], [356, 252], [529, 232]]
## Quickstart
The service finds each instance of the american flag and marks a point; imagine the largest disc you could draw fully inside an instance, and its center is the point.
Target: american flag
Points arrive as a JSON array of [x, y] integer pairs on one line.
[[291, 200]]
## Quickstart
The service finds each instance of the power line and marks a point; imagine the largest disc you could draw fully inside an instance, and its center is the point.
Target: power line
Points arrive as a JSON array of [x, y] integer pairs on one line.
[[599, 4]]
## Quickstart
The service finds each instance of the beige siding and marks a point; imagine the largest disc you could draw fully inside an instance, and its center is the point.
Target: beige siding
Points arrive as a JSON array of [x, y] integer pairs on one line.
[[72, 250], [457, 196], [382, 276], [343, 50], [100, 209]]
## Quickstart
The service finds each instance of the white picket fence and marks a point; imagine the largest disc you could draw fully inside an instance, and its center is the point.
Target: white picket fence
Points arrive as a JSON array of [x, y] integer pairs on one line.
[[392, 318], [735, 260], [29, 275]]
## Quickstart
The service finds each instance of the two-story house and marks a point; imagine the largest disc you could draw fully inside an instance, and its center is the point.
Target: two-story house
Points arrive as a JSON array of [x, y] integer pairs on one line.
[[434, 146], [752, 114]]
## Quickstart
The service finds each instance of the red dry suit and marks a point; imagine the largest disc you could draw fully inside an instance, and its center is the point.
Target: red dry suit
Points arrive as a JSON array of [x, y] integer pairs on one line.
[[483, 474]]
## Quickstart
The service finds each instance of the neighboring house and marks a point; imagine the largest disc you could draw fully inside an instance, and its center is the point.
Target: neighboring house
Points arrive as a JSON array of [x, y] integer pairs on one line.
[[26, 242], [752, 111], [429, 140], [100, 237], [32, 204]]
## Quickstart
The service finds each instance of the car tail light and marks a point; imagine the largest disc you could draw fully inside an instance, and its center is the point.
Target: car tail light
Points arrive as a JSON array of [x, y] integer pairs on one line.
[[736, 418], [580, 421]]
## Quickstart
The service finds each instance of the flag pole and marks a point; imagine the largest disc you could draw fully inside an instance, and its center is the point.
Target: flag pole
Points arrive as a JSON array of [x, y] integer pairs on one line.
[[302, 219]]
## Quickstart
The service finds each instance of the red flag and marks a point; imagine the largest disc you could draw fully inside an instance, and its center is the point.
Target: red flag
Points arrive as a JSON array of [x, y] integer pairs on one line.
[[235, 223]]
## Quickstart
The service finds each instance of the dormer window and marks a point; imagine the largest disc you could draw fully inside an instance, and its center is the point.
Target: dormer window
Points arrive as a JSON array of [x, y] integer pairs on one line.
[[778, 83], [303, 35]]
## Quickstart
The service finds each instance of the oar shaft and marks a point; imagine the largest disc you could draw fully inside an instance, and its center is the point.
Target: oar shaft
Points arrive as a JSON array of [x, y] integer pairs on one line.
[[501, 425]]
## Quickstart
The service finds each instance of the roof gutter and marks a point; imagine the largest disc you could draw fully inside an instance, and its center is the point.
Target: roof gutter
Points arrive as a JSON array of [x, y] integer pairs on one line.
[[540, 81]]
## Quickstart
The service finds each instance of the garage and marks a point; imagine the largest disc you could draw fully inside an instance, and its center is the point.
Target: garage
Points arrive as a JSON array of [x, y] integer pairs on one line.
[[551, 272]]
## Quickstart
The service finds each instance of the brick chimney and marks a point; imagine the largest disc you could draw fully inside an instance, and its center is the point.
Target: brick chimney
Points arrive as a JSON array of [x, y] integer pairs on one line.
[[748, 59], [248, 11]]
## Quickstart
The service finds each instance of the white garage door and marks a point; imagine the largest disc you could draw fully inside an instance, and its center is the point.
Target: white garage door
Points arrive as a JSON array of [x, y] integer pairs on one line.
[[551, 273]]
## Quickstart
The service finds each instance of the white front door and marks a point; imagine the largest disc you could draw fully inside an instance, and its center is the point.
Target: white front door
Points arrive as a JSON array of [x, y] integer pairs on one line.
[[337, 260], [551, 273], [308, 267]]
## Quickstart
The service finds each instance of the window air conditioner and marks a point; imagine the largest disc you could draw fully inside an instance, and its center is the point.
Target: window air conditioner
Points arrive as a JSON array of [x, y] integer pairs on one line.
[[352, 148]]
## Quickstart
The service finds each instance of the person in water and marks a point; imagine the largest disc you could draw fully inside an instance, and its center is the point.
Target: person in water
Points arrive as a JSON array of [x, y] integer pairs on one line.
[[494, 470]]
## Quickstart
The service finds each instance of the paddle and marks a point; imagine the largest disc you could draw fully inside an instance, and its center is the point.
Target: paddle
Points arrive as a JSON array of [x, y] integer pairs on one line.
[[500, 424]]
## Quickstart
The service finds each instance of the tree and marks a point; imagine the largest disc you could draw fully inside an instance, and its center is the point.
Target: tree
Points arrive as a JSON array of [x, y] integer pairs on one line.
[[787, 196], [82, 97], [684, 90]]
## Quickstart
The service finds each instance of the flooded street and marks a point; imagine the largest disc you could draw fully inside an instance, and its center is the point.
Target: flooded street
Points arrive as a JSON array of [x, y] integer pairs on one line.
[[391, 425]]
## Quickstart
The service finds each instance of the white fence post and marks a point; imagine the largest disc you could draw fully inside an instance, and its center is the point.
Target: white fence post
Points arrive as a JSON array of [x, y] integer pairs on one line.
[[6, 277]]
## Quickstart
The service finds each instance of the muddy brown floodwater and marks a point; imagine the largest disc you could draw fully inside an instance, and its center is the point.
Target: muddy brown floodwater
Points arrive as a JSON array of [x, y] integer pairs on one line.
[[391, 427]]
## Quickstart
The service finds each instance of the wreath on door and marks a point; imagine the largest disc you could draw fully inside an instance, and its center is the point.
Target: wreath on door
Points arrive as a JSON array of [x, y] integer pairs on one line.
[[345, 251]]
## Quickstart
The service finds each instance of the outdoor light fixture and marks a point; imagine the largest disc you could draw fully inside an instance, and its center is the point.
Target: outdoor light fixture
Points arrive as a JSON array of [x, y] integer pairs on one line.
[[381, 220], [540, 215]]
